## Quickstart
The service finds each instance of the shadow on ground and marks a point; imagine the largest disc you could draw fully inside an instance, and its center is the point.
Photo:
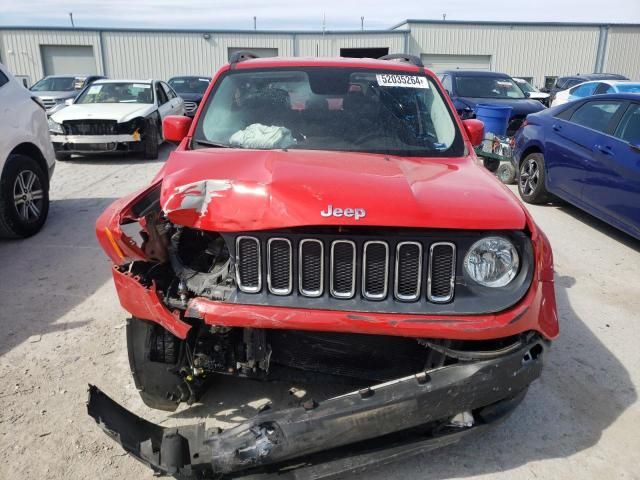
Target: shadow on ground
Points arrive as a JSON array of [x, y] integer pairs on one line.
[[583, 390], [47, 275]]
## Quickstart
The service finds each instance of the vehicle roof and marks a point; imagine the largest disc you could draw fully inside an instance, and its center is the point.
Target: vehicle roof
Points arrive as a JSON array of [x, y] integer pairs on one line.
[[597, 76], [475, 73], [614, 96], [189, 76], [608, 82], [368, 63], [122, 80]]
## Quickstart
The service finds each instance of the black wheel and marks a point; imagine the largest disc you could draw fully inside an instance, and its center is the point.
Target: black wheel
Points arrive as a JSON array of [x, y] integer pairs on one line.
[[531, 179], [507, 173], [150, 142], [62, 157], [153, 358], [491, 164], [24, 197]]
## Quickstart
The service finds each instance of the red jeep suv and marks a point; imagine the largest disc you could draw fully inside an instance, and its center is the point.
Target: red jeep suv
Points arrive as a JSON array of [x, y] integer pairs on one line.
[[327, 221]]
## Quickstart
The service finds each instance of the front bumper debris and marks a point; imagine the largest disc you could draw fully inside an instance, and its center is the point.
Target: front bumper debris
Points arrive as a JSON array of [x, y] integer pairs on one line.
[[392, 419]]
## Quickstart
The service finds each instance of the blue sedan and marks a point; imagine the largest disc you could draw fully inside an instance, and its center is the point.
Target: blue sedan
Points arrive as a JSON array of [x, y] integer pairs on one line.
[[587, 153]]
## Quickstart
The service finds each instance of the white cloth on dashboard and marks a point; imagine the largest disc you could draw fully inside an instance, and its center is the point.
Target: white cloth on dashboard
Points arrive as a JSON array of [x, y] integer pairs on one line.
[[261, 136]]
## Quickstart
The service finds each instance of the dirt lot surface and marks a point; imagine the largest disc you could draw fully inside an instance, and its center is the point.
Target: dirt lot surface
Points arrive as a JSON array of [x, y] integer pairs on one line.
[[62, 328]]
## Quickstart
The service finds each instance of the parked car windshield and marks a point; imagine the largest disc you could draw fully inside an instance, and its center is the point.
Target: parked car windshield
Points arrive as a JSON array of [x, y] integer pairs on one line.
[[58, 84], [330, 109], [526, 86], [628, 87], [189, 84], [487, 87], [125, 92]]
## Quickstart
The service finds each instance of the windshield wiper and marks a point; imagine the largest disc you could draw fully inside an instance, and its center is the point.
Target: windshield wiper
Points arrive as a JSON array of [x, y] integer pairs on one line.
[[207, 143]]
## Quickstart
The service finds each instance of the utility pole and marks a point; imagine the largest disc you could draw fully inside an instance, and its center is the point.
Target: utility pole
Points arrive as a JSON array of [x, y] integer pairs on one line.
[[362, 23], [71, 18], [255, 23], [444, 17]]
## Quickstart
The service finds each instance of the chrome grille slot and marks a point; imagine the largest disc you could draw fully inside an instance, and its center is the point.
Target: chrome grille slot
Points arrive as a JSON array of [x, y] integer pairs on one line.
[[279, 266], [248, 264], [48, 103], [190, 107], [408, 271], [442, 272], [343, 269], [311, 267], [375, 270]]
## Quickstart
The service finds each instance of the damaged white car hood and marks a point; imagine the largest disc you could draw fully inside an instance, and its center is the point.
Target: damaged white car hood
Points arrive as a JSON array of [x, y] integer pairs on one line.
[[121, 112]]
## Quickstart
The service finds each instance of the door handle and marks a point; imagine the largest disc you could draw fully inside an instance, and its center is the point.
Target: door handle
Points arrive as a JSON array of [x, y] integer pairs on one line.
[[606, 149], [557, 128]]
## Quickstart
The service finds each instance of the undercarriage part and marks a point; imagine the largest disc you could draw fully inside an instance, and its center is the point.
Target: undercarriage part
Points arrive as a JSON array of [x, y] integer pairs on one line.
[[391, 411]]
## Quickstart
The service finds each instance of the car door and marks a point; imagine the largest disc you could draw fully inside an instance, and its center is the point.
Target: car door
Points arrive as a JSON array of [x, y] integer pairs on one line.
[[164, 105], [569, 144], [177, 104], [612, 185]]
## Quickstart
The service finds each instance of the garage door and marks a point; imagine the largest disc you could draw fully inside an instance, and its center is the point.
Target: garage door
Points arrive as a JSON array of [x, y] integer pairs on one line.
[[259, 52], [68, 59], [438, 63]]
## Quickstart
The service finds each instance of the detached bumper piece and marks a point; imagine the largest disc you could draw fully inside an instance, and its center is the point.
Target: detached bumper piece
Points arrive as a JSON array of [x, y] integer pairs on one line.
[[377, 424]]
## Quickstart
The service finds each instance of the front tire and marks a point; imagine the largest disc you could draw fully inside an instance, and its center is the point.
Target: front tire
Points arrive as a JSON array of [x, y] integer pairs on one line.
[[531, 180], [150, 142], [491, 164], [24, 197], [153, 358]]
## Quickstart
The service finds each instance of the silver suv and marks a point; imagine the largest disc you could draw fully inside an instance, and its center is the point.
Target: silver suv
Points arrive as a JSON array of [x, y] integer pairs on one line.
[[54, 90]]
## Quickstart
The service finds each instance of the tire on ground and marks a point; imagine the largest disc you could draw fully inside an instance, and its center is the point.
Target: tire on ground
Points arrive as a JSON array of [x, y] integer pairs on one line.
[[150, 141], [12, 223], [155, 378], [535, 193], [507, 173]]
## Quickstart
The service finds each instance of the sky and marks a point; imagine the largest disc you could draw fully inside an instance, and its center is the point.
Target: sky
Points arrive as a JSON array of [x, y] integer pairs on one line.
[[303, 14]]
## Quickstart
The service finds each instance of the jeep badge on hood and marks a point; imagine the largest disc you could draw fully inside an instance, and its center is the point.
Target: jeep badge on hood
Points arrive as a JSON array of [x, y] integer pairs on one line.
[[356, 213]]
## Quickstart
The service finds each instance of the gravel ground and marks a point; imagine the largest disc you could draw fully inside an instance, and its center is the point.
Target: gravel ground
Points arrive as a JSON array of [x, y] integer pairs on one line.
[[63, 328]]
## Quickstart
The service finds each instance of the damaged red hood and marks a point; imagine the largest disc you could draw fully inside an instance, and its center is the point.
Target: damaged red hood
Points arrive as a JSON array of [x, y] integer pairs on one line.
[[243, 190]]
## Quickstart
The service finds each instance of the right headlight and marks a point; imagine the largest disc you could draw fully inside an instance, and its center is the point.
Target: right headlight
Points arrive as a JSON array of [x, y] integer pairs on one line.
[[492, 262]]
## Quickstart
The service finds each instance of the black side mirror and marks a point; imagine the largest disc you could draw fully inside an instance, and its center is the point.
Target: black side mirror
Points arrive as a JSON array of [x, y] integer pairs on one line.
[[527, 94]]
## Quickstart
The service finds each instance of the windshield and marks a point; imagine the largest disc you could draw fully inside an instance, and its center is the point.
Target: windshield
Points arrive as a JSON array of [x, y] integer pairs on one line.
[[189, 84], [125, 92], [526, 86], [488, 87], [628, 87], [58, 84], [329, 109]]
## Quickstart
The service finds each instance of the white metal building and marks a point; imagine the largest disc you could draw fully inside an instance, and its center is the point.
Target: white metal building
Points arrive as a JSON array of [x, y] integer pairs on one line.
[[538, 51]]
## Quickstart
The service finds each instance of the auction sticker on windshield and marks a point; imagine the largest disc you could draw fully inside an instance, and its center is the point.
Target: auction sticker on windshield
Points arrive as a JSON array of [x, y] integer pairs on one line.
[[394, 80]]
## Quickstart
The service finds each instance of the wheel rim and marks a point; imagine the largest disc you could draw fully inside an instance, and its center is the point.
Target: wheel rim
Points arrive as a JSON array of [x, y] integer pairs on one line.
[[503, 174], [529, 177], [28, 196]]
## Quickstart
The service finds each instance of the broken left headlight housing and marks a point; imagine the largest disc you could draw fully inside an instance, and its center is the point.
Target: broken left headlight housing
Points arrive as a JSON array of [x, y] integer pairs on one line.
[[55, 127], [492, 262]]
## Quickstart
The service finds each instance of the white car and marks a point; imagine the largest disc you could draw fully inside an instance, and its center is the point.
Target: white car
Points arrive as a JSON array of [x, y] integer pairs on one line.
[[115, 115], [26, 160], [531, 91], [595, 87]]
